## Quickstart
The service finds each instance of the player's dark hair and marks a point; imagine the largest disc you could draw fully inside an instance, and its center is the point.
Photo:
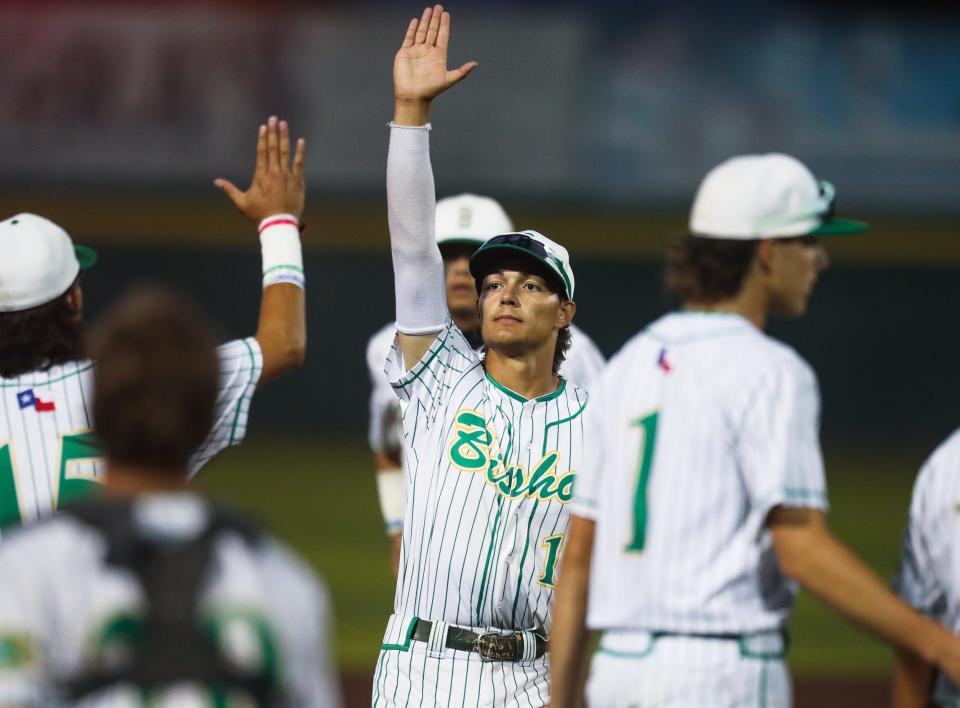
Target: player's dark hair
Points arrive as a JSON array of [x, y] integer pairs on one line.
[[155, 380], [41, 337], [563, 346], [707, 270]]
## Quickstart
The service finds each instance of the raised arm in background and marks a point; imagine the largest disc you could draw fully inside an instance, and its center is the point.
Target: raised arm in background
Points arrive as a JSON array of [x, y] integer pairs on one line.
[[274, 203], [419, 75]]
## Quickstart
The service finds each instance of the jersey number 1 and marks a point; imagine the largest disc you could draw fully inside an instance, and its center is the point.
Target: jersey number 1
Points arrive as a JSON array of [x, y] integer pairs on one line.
[[72, 486], [648, 425]]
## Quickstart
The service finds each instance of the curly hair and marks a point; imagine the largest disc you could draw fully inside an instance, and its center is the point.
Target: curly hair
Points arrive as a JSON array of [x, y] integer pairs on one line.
[[41, 337], [563, 346], [708, 270]]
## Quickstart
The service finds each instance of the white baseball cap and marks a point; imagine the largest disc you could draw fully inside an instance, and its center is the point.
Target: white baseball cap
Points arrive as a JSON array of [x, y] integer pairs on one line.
[[531, 243], [470, 219], [766, 196], [39, 262]]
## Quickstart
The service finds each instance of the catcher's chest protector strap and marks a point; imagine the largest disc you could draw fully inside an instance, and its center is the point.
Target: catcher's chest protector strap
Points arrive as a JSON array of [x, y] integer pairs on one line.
[[170, 644]]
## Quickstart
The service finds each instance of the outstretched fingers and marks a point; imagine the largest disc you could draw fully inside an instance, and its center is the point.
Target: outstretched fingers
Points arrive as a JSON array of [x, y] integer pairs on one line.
[[284, 145], [434, 29], [273, 149], [261, 149], [411, 33], [443, 35], [422, 26], [298, 159]]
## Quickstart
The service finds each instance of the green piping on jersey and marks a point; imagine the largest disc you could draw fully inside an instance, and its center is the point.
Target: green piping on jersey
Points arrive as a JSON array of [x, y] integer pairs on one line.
[[284, 267], [19, 383], [517, 397], [414, 373], [408, 635], [747, 653], [236, 417], [792, 494], [559, 422], [627, 654]]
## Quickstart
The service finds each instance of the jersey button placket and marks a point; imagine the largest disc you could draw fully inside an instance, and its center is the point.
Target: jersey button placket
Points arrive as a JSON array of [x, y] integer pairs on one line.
[[528, 409]]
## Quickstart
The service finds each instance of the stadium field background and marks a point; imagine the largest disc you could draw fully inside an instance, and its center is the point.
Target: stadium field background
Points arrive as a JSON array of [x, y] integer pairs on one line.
[[318, 494], [877, 335]]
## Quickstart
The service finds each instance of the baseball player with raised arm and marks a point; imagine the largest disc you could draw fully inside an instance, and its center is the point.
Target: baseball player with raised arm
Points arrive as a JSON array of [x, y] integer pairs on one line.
[[148, 595], [494, 441], [48, 455], [929, 575], [463, 223], [700, 503]]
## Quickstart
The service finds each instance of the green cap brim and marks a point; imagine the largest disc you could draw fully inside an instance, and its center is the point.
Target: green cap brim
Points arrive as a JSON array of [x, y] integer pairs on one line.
[[840, 227], [86, 256]]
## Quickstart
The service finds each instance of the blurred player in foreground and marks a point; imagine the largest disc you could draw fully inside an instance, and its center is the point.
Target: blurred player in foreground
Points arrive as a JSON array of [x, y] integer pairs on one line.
[[702, 492], [149, 595], [493, 441], [463, 223], [48, 456], [929, 577]]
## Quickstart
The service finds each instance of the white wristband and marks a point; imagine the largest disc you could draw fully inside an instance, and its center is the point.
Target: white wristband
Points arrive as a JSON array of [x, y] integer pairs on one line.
[[392, 490], [280, 250]]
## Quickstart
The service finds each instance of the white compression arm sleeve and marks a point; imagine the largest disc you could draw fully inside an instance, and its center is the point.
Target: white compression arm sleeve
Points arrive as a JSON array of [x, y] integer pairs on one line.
[[418, 277]]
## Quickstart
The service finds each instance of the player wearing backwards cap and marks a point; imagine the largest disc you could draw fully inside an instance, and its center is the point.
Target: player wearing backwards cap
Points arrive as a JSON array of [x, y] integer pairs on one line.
[[929, 576], [150, 595], [493, 442], [47, 453], [463, 223], [701, 497]]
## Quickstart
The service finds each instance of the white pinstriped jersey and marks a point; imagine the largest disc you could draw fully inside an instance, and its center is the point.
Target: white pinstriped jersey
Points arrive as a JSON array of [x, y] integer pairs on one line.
[[60, 598], [48, 455], [697, 428], [582, 365], [489, 475], [929, 575]]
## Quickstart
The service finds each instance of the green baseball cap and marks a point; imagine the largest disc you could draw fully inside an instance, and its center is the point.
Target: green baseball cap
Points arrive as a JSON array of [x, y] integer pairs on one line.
[[530, 243]]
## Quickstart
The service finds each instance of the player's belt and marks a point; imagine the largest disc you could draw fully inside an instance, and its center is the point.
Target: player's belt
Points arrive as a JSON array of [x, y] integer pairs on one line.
[[492, 646]]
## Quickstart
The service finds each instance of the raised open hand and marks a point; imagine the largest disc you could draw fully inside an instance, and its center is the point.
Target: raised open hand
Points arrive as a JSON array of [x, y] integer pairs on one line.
[[420, 68], [277, 186]]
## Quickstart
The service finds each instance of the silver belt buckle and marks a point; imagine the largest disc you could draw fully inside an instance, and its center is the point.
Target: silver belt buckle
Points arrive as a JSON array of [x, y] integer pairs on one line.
[[493, 646]]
